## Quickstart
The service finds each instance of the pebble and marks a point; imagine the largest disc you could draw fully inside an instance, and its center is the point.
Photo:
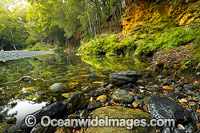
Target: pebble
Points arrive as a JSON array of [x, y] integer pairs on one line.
[[84, 114], [110, 86], [152, 88], [135, 105], [102, 98], [180, 127]]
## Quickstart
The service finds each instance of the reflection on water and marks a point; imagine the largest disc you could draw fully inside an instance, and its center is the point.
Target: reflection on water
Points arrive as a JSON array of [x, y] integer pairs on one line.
[[48, 69], [24, 108]]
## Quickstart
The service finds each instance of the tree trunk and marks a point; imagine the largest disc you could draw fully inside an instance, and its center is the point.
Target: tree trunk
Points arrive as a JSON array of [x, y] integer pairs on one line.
[[89, 19]]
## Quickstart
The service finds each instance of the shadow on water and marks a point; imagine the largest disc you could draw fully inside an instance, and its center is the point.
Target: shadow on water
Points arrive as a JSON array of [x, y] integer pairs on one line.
[[48, 69]]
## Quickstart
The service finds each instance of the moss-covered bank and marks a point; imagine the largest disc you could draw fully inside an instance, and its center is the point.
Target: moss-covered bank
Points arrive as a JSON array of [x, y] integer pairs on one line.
[[150, 27]]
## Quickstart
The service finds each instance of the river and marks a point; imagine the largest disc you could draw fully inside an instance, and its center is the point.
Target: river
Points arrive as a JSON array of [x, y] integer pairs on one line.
[[19, 98]]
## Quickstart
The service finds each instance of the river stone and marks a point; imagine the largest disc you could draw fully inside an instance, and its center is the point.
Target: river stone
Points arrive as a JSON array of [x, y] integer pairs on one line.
[[117, 113], [146, 99], [122, 96], [40, 129], [87, 89], [93, 105], [57, 86], [102, 89], [102, 98], [152, 88], [76, 102], [165, 108], [92, 75], [125, 77], [95, 93]]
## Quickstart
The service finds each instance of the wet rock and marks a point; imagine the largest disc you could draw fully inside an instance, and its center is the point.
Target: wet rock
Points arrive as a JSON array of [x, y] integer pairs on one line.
[[176, 96], [122, 96], [76, 102], [153, 88], [146, 100], [140, 87], [198, 73], [102, 98], [189, 127], [178, 89], [189, 87], [195, 117], [102, 89], [191, 104], [84, 114], [95, 93], [40, 129], [110, 86], [165, 108], [167, 81], [93, 105], [92, 75], [175, 85], [104, 85], [124, 87], [135, 104], [141, 96], [125, 77], [127, 105], [135, 90], [87, 89], [119, 112], [57, 86], [160, 76]]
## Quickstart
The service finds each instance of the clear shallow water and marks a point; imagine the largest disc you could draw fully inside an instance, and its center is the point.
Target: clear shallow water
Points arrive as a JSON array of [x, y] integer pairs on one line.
[[73, 70]]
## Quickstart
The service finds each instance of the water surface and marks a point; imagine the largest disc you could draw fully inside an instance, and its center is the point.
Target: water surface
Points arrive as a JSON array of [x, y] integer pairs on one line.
[[23, 97]]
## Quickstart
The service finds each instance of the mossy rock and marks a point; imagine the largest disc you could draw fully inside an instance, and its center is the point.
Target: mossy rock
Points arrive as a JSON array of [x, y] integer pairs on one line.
[[119, 113]]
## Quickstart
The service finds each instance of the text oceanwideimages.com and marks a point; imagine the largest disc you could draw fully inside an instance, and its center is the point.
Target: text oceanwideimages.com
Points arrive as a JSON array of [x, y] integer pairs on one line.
[[46, 121]]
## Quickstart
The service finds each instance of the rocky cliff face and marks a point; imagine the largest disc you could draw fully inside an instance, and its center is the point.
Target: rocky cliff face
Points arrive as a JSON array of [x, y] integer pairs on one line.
[[151, 13]]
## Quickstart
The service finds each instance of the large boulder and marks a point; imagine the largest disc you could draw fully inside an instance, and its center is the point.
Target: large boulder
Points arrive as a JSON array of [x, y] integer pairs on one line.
[[117, 113], [165, 108], [125, 77]]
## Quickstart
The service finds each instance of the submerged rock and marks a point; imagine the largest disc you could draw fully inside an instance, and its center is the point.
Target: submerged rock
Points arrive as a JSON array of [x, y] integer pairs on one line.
[[95, 93], [93, 105], [125, 77], [92, 75], [119, 112], [165, 108], [75, 102], [57, 86], [152, 88], [122, 96]]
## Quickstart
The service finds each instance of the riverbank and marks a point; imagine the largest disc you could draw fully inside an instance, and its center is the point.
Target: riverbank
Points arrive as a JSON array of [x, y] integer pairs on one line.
[[152, 28]]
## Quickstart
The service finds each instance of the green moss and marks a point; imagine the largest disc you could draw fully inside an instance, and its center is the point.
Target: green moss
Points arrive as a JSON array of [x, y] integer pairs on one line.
[[167, 39], [108, 45]]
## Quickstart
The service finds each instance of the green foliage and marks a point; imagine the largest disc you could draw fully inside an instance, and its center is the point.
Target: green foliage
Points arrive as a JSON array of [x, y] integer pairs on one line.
[[167, 39], [40, 47], [12, 26], [109, 45]]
